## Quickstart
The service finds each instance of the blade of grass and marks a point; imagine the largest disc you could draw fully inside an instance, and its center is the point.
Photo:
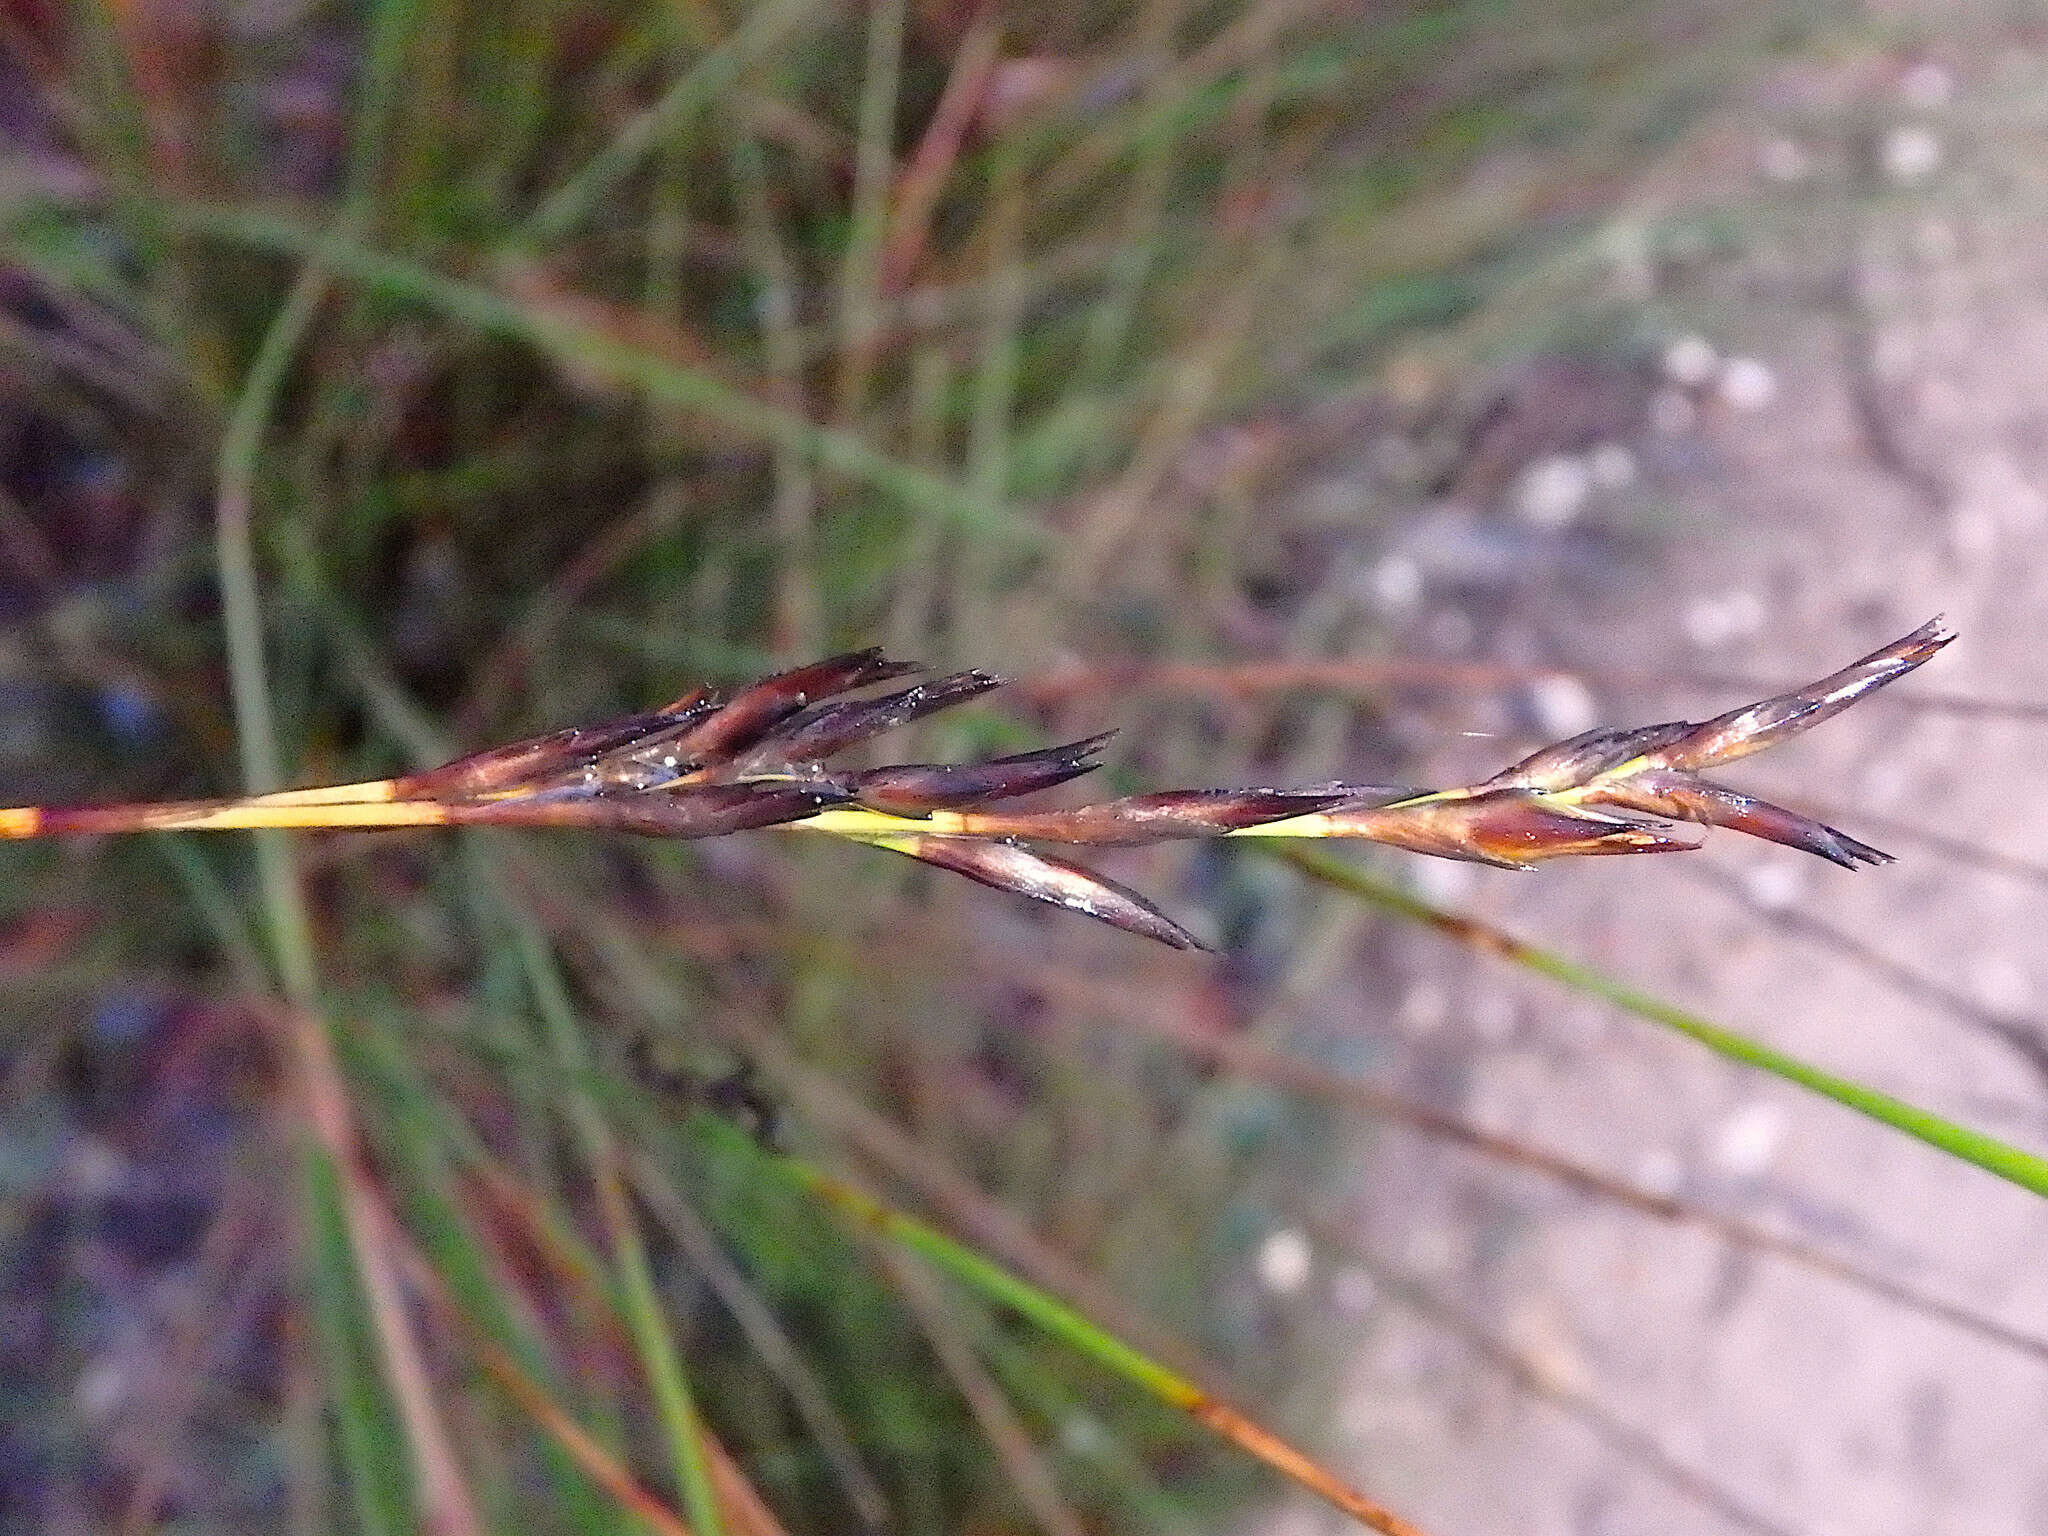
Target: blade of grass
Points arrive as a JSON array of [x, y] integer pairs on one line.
[[445, 1500], [517, 1381], [1996, 1157], [660, 379], [419, 1129], [766, 1334], [1173, 1019], [659, 1356], [372, 1443], [573, 202], [860, 270], [797, 622], [1083, 1439], [990, 1280], [1036, 1486], [993, 392], [917, 563], [1046, 1311]]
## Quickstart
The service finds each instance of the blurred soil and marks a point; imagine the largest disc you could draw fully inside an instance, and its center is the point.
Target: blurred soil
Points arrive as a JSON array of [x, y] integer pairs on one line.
[[1876, 453]]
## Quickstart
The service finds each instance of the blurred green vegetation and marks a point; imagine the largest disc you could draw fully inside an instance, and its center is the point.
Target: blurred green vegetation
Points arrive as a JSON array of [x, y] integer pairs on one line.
[[563, 355]]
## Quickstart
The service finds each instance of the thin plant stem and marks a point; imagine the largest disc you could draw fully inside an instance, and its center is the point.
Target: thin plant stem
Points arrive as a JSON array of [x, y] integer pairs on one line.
[[660, 379], [645, 1316], [444, 1494], [1055, 1317], [694, 91], [860, 270], [2026, 1169], [1036, 1486]]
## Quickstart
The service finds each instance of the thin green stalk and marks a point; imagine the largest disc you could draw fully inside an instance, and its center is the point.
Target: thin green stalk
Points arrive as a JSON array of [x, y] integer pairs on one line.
[[1111, 319], [1062, 1322], [421, 1131], [917, 564], [436, 1471], [995, 386], [860, 272], [375, 1473], [713, 74], [659, 1357], [2008, 1162], [666, 382], [798, 621]]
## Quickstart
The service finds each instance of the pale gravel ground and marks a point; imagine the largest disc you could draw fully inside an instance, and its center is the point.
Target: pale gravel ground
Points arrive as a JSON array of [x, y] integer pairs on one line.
[[1827, 1410]]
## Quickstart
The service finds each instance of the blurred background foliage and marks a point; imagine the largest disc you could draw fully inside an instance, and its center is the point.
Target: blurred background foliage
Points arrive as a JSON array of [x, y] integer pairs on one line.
[[564, 354]]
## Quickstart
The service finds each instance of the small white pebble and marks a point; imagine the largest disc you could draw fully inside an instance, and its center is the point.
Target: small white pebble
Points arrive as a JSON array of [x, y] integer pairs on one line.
[[1784, 160], [1563, 705], [1660, 1172], [1690, 361], [1424, 1007], [1746, 613], [1552, 491], [2002, 986], [1672, 413], [1712, 622], [1775, 885], [1395, 583], [1445, 882], [1910, 155], [1284, 1260], [100, 1391], [1081, 1434], [1352, 1291], [1613, 466], [1746, 1142], [1927, 85], [1746, 384]]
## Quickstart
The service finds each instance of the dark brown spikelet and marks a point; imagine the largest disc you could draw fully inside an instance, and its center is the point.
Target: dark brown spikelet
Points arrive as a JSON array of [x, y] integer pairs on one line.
[[540, 760], [707, 737], [1510, 828], [1042, 877], [1686, 797], [912, 789], [824, 729], [759, 707]]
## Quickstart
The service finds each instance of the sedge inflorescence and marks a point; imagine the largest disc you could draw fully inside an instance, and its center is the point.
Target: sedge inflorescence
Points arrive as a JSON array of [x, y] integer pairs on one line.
[[766, 754]]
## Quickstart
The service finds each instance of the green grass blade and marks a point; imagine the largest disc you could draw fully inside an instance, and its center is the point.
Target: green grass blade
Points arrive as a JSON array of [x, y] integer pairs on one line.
[[697, 88], [2008, 1162], [667, 383], [1055, 1317], [373, 1449], [419, 1128], [660, 1359]]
